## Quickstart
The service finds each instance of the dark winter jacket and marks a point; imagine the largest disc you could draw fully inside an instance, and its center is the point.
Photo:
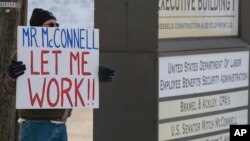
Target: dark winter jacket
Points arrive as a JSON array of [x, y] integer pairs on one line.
[[37, 114]]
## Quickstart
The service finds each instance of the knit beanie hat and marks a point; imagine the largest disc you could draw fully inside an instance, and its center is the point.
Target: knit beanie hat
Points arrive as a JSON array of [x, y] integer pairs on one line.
[[39, 16]]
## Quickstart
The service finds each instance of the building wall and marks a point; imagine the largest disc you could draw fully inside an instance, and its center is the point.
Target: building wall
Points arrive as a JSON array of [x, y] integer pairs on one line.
[[129, 44]]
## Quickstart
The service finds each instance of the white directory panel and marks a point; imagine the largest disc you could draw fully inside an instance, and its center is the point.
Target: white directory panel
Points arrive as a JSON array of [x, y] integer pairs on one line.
[[201, 125], [220, 137], [202, 104], [191, 74], [198, 18]]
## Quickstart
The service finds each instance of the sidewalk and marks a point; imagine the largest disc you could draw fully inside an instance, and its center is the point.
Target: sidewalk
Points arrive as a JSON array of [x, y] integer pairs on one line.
[[80, 125]]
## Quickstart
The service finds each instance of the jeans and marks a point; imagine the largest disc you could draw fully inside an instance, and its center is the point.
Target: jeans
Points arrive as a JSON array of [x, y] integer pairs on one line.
[[42, 130]]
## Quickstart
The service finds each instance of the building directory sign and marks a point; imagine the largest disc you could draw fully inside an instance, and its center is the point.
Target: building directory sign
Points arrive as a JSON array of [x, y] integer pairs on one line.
[[200, 94], [198, 18]]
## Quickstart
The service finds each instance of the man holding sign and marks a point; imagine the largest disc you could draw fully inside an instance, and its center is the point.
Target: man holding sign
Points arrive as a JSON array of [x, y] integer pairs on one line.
[[51, 85]]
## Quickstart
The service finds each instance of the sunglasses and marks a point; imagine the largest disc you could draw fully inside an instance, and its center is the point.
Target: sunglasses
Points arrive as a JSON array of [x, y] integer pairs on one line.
[[53, 25]]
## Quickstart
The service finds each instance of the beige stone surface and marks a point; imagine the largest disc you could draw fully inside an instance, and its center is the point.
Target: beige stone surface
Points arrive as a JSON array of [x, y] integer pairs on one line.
[[80, 125]]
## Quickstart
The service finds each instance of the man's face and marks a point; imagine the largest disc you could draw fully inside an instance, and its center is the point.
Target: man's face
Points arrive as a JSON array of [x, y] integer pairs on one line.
[[50, 23]]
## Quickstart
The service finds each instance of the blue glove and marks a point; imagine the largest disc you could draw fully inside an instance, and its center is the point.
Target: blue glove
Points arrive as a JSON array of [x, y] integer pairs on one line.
[[106, 74], [16, 69]]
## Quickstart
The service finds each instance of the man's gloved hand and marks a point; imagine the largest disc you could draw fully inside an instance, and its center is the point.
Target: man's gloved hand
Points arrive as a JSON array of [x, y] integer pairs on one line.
[[16, 69], [106, 74]]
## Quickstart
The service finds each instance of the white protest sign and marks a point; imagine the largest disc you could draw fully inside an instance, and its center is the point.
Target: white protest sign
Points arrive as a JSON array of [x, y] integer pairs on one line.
[[62, 68]]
